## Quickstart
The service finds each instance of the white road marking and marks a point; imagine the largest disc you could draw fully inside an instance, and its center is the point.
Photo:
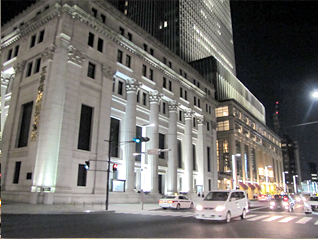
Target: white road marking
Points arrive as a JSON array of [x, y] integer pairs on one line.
[[272, 218], [304, 220], [250, 215], [287, 219], [316, 223], [258, 218]]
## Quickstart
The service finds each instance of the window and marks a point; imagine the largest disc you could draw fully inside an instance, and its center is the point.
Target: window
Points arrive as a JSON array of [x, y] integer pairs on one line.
[[210, 185], [91, 39], [144, 70], [151, 74], [208, 159], [164, 83], [129, 36], [138, 96], [194, 81], [122, 31], [185, 75], [17, 172], [180, 115], [151, 51], [194, 157], [85, 128], [161, 145], [16, 51], [222, 111], [164, 108], [208, 126], [119, 56], [29, 176], [181, 92], [128, 61], [185, 95], [145, 47], [103, 17], [29, 69], [37, 65], [195, 100], [198, 84], [170, 64], [144, 98], [199, 103], [91, 70], [223, 126], [180, 72], [193, 120], [114, 85], [32, 43], [114, 136], [164, 61], [9, 54], [94, 12], [170, 85], [100, 44], [25, 124], [81, 175], [41, 36], [120, 88], [179, 145]]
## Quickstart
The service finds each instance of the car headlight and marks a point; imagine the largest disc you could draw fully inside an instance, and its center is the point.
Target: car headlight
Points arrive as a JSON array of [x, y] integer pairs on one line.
[[272, 203], [199, 207], [220, 208]]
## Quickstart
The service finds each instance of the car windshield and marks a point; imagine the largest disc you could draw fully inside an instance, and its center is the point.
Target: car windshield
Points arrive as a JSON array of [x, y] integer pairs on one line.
[[313, 198], [216, 196], [278, 197]]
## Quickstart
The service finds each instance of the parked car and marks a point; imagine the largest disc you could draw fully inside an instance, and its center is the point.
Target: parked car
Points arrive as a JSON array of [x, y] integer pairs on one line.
[[282, 202], [176, 202], [311, 205], [222, 205], [264, 198]]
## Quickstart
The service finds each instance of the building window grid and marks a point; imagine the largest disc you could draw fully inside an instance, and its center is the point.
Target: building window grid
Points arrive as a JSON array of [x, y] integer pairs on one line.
[[222, 111], [223, 125]]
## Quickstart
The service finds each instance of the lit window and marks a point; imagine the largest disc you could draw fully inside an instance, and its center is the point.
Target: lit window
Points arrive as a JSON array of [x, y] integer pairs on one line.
[[165, 24], [222, 111], [223, 126]]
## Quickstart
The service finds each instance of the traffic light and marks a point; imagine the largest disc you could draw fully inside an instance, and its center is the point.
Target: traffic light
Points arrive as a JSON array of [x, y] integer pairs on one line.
[[115, 167], [141, 139], [86, 165]]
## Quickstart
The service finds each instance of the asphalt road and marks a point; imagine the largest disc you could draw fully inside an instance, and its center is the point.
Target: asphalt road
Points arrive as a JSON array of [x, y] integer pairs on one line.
[[159, 224]]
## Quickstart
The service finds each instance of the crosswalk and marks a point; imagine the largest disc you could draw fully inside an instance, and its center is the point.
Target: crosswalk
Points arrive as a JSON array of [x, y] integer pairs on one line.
[[249, 217]]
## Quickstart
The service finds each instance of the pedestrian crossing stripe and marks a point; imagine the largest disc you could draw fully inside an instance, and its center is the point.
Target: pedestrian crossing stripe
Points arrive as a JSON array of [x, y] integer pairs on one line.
[[272, 218], [304, 220], [316, 223], [287, 219], [257, 218]]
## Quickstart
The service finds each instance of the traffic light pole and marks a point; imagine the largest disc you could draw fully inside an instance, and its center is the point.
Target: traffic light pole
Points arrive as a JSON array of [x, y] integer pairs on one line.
[[108, 171]]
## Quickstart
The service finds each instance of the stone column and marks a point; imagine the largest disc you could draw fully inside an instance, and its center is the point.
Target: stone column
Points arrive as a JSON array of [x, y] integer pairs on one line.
[[173, 153], [187, 152], [202, 154], [232, 153], [214, 164], [129, 133], [7, 132], [154, 98]]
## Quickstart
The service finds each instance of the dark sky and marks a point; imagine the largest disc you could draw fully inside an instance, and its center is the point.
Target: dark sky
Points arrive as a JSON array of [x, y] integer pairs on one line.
[[276, 49]]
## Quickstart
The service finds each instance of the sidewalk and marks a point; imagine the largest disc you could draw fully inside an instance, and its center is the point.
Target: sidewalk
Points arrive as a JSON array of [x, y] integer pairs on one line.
[[24, 208]]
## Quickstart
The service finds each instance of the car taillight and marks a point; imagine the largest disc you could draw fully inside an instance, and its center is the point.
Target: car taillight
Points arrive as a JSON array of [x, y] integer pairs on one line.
[[170, 201], [285, 199], [160, 201]]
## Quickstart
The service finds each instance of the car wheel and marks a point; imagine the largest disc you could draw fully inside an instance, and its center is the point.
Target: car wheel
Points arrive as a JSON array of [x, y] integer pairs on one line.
[[228, 217], [191, 205], [243, 216], [307, 212], [178, 206], [164, 208]]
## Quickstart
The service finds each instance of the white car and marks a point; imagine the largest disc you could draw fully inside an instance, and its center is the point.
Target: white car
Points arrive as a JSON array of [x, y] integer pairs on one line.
[[176, 202], [311, 205], [222, 205]]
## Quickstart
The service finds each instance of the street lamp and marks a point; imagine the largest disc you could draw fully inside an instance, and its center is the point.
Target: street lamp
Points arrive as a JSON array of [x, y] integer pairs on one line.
[[294, 179], [284, 181], [315, 94], [234, 174], [266, 174]]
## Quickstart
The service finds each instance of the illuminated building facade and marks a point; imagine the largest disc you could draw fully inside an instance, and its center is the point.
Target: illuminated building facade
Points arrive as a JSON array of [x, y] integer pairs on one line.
[[76, 75], [190, 28]]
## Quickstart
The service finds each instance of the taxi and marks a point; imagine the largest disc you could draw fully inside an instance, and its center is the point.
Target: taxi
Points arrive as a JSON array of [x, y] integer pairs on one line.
[[176, 202]]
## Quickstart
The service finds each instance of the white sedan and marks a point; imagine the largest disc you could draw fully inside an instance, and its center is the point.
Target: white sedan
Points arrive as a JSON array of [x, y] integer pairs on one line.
[[311, 205], [177, 202]]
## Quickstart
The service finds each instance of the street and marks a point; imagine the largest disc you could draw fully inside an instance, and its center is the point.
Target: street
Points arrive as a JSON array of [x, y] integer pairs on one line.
[[260, 223]]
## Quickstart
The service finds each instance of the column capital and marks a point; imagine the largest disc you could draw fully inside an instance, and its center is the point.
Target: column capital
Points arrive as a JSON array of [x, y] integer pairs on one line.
[[188, 113], [173, 105], [108, 72], [48, 53], [75, 56], [132, 85], [19, 66], [155, 96], [201, 119]]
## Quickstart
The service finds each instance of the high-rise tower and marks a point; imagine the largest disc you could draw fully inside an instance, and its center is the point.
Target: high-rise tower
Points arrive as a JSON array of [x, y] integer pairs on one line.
[[193, 29]]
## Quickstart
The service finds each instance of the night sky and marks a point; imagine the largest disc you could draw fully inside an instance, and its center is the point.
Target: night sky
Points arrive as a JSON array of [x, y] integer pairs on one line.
[[276, 50]]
